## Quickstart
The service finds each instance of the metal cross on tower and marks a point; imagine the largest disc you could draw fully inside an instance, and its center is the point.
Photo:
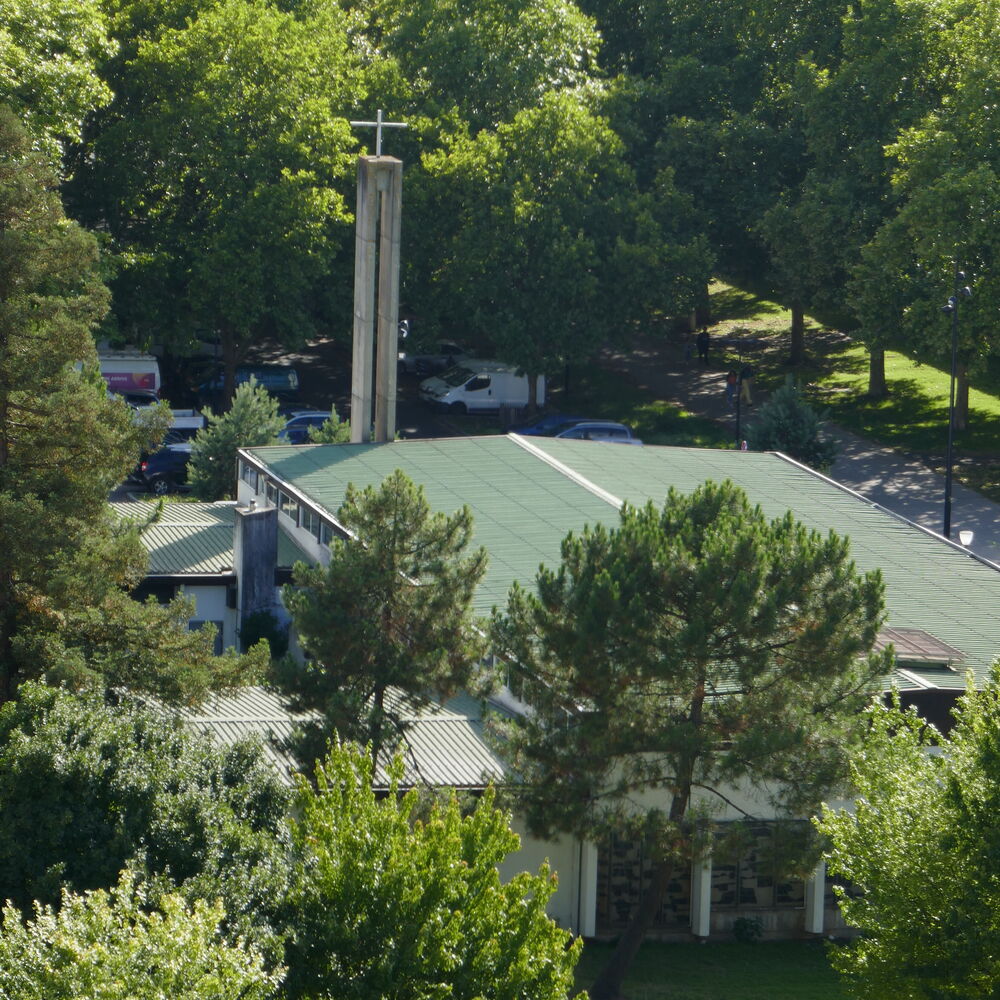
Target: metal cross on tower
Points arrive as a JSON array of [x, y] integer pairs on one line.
[[378, 125]]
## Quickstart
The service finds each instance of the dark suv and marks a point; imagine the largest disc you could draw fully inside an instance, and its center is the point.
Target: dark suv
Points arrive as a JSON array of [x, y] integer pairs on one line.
[[165, 471]]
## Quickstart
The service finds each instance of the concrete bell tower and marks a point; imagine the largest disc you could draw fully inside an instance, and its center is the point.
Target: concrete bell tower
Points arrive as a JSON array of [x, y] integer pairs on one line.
[[380, 198]]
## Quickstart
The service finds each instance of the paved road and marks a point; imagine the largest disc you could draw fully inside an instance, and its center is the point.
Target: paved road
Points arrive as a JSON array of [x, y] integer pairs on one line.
[[898, 482]]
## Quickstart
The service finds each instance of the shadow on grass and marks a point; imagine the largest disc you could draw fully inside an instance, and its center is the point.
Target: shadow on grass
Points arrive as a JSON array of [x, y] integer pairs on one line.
[[729, 303], [597, 392]]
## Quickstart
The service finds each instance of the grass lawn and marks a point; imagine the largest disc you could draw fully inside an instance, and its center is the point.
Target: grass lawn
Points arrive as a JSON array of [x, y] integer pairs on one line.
[[596, 392], [778, 970], [913, 418]]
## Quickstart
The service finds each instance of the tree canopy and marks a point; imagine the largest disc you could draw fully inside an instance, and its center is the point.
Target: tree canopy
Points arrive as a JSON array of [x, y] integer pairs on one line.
[[66, 561], [252, 420], [919, 849], [692, 649], [87, 789], [217, 173], [112, 944], [389, 902], [389, 616]]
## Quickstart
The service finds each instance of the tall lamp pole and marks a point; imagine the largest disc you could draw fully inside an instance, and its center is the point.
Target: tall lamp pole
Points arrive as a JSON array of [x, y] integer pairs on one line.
[[952, 308]]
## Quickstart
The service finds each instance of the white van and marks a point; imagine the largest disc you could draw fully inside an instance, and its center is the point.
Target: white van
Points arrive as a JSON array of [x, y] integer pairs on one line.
[[474, 386], [129, 369]]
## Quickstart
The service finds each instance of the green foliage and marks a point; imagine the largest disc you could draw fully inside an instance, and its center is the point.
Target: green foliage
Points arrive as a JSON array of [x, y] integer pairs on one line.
[[787, 423], [555, 248], [748, 930], [945, 176], [110, 945], [384, 904], [49, 53], [86, 789], [921, 848], [332, 431], [389, 616], [483, 62], [220, 170], [695, 647], [264, 625], [252, 420]]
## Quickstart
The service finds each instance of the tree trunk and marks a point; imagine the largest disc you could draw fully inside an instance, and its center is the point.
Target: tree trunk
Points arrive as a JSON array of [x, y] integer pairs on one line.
[[797, 352], [961, 397], [877, 387], [608, 984]]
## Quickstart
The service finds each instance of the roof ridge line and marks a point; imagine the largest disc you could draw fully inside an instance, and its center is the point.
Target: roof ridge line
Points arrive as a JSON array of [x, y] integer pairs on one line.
[[885, 510], [565, 470]]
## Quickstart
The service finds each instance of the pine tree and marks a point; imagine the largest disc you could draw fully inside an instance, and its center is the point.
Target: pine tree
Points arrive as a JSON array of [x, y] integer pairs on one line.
[[251, 421], [66, 562], [389, 616], [690, 650], [787, 423]]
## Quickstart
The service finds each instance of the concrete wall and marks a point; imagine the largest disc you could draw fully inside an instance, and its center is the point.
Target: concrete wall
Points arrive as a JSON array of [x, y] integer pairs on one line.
[[210, 606], [575, 865]]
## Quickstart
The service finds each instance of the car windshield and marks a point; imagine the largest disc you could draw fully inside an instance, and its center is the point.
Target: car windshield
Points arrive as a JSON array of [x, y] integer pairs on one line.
[[457, 375]]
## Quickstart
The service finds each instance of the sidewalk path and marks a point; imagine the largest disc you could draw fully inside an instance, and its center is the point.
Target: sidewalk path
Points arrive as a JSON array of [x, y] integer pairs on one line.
[[900, 483]]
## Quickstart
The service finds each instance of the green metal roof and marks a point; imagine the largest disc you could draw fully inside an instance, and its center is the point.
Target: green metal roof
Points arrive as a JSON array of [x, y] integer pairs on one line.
[[443, 745], [527, 494], [193, 538], [522, 509]]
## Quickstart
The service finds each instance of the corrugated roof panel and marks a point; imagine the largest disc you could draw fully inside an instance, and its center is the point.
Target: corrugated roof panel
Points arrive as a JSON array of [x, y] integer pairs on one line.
[[193, 538], [443, 744]]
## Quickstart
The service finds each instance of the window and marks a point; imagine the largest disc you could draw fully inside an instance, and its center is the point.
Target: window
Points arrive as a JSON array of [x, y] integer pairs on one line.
[[325, 533], [288, 505], [249, 475], [272, 492], [478, 383]]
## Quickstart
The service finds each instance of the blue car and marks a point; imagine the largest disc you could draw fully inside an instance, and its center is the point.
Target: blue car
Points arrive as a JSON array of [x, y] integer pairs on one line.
[[296, 431]]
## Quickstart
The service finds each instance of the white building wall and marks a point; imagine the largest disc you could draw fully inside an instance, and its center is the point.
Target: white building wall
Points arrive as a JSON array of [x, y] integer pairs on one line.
[[574, 862], [210, 606]]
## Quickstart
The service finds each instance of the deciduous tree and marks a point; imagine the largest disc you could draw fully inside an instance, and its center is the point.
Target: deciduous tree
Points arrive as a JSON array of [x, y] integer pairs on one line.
[[49, 57], [920, 849], [220, 172], [87, 789], [390, 615], [554, 248], [111, 944], [691, 649], [388, 903]]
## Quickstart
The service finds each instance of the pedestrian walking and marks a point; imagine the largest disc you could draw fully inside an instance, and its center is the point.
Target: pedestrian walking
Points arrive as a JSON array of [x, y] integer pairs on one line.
[[703, 343]]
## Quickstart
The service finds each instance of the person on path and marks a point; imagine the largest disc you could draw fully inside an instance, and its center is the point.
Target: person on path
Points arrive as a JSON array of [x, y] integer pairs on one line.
[[703, 343]]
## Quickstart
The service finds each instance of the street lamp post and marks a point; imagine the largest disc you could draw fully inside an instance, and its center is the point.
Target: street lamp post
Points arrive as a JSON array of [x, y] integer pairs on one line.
[[952, 308]]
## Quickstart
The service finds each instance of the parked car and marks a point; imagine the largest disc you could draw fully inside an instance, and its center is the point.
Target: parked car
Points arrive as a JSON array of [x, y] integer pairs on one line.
[[443, 355], [279, 380], [166, 470], [600, 430], [549, 425], [296, 431], [138, 399], [474, 386]]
